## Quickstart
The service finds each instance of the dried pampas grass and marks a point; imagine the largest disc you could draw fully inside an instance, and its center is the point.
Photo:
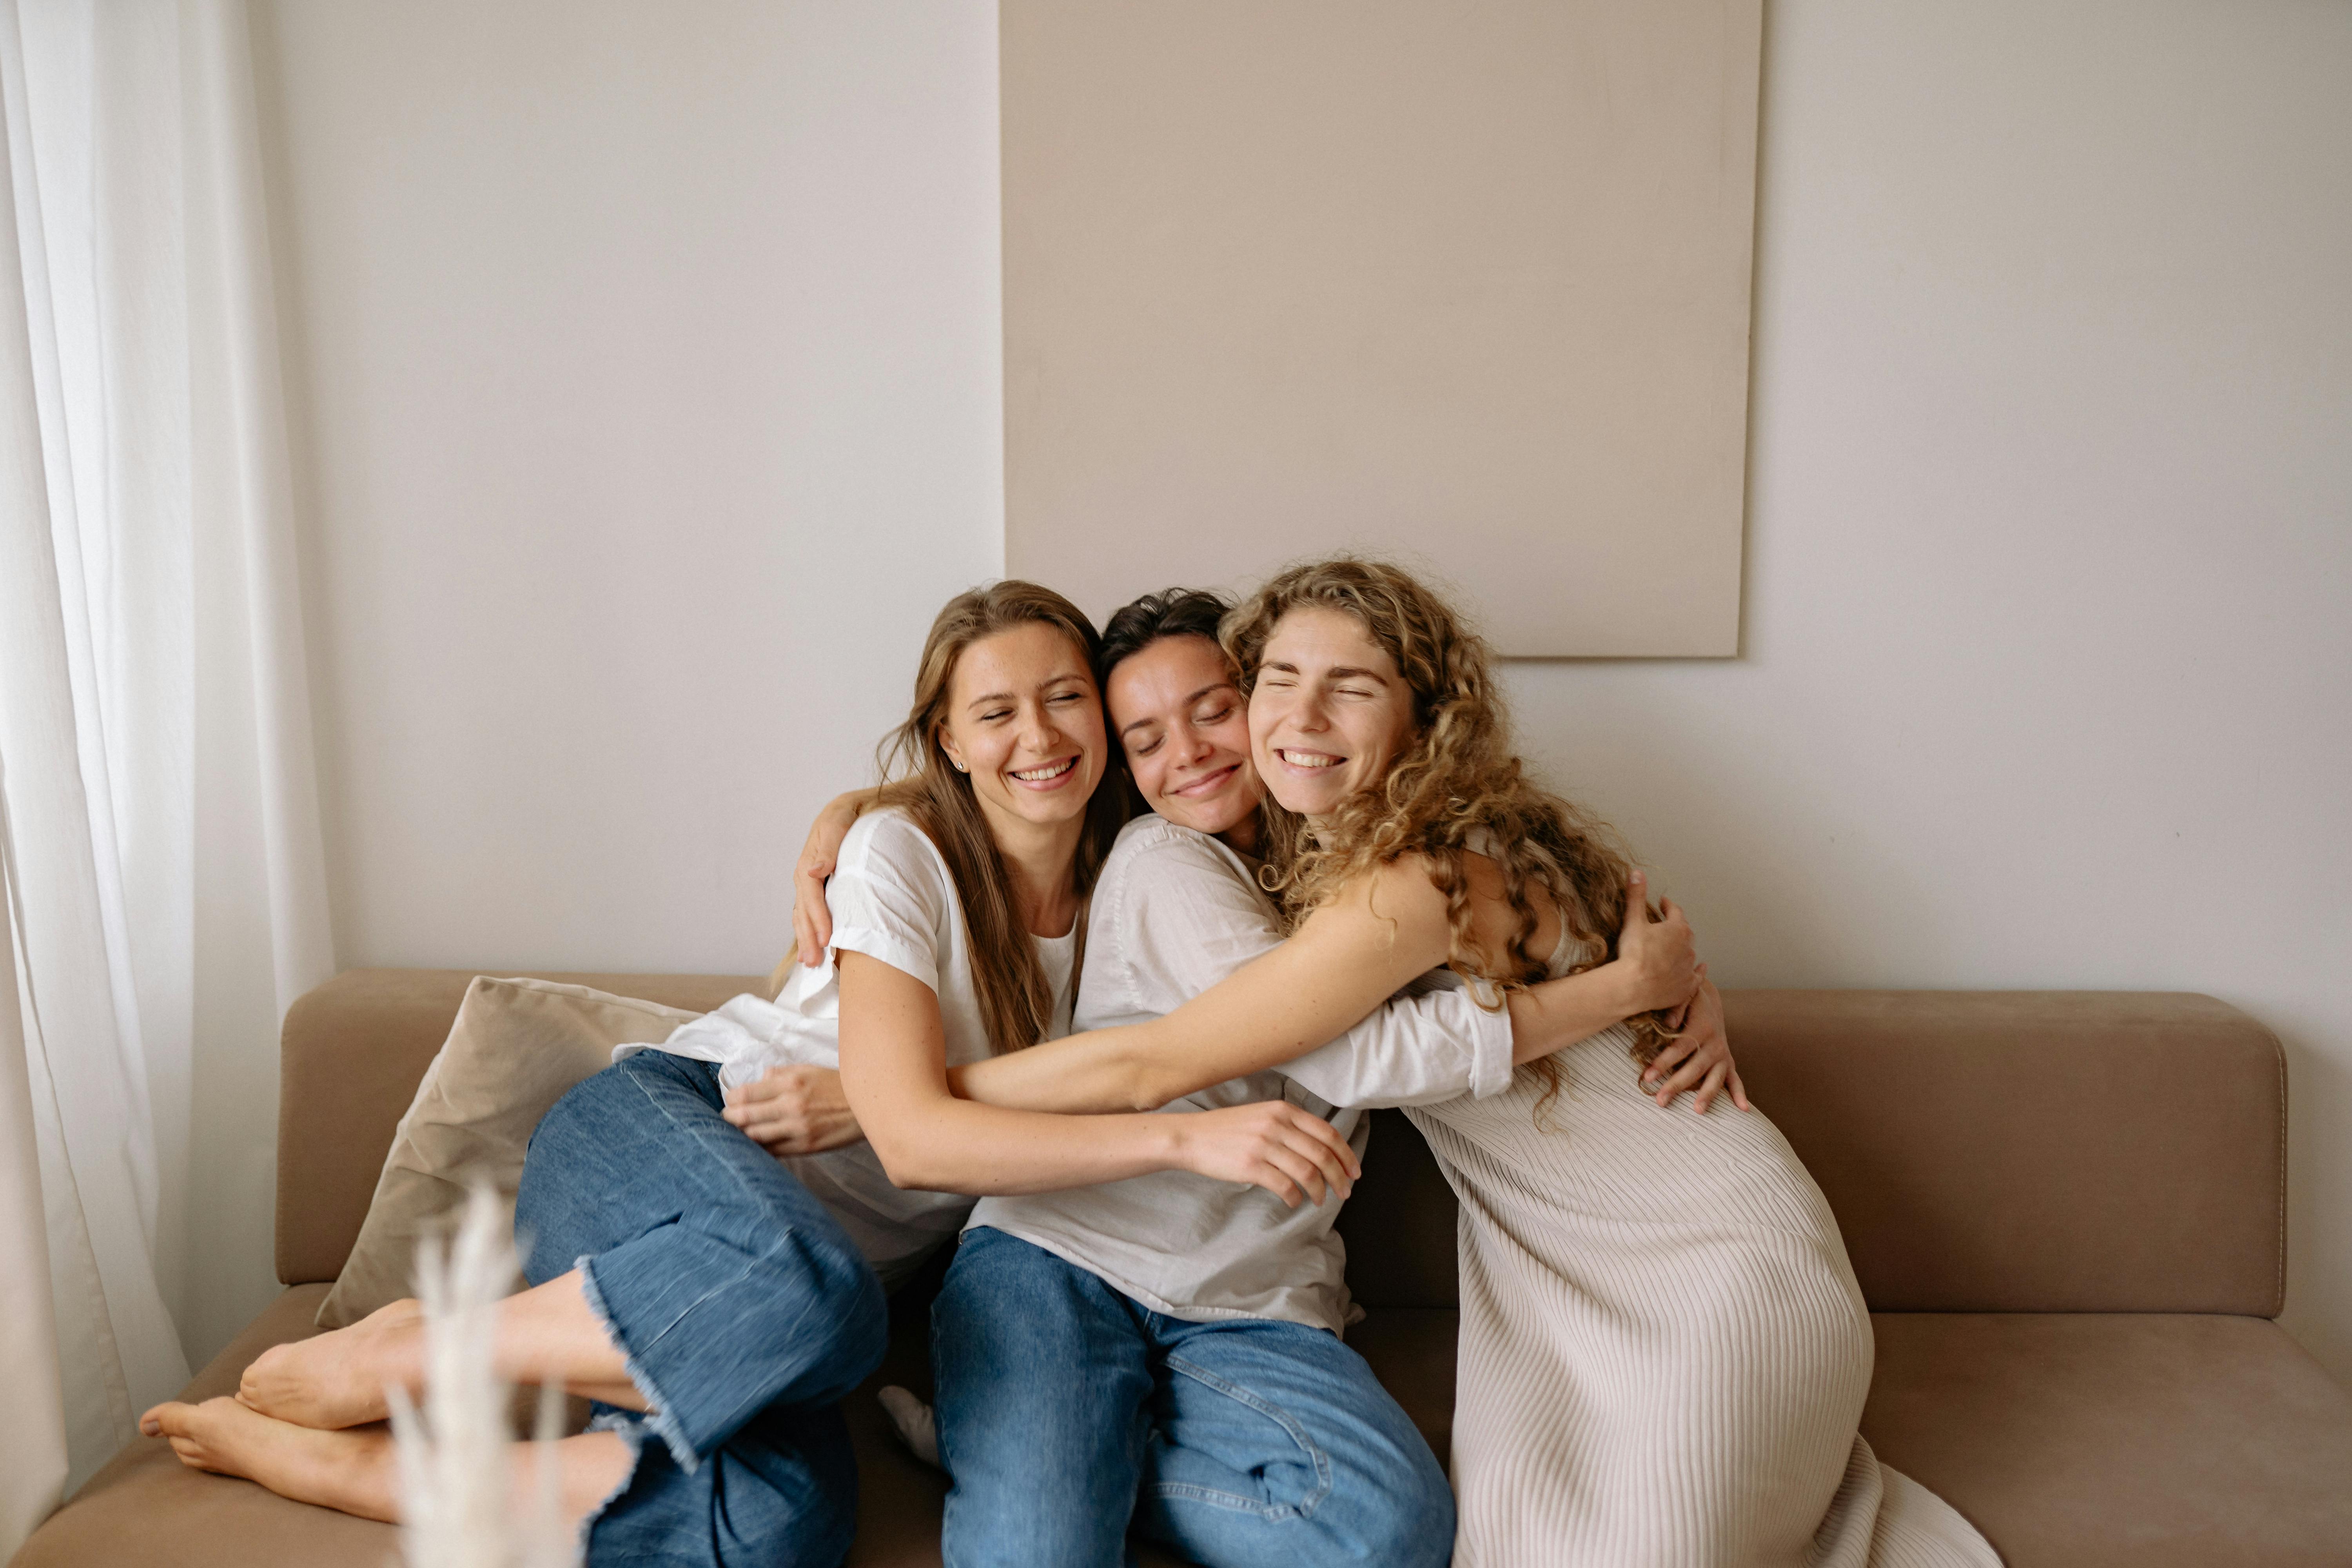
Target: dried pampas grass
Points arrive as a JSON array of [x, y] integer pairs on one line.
[[458, 1474]]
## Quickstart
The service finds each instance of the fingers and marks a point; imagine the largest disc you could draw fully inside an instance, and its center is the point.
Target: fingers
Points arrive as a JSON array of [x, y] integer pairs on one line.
[[1270, 1173], [1711, 1087], [1669, 1055], [1302, 1155], [1739, 1091], [1703, 1057], [1331, 1162], [1328, 1137], [748, 1102], [1637, 900], [811, 917], [1301, 1170], [774, 1109]]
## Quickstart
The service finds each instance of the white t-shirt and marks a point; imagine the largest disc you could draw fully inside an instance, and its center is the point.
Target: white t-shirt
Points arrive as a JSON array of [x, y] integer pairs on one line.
[[1174, 913], [891, 899]]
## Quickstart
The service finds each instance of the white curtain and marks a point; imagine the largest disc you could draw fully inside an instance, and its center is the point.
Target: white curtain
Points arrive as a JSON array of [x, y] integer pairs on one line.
[[160, 838]]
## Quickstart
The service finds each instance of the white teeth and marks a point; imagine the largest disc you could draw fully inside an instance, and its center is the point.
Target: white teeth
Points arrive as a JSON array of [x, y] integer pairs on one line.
[[1051, 770], [1309, 759]]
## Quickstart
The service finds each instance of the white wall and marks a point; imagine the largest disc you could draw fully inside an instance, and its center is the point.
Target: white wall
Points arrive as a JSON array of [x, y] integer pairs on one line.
[[652, 365], [654, 377]]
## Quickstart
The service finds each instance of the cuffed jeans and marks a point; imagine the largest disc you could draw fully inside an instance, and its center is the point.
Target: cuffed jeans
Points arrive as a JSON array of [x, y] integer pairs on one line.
[[1068, 1410], [745, 1312]]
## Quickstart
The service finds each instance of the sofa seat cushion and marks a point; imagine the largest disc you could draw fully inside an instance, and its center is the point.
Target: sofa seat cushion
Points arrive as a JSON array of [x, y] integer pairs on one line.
[[2081, 1440], [2078, 1439], [147, 1507]]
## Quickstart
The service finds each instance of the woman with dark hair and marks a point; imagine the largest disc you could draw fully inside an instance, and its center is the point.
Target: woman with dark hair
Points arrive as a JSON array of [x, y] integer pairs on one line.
[[721, 1301]]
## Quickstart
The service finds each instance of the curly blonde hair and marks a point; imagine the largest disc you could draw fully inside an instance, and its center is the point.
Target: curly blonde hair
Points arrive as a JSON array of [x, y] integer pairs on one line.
[[1457, 780]]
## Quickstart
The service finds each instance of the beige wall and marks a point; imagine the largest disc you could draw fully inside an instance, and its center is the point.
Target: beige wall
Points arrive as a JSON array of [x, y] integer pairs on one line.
[[653, 386], [1380, 273]]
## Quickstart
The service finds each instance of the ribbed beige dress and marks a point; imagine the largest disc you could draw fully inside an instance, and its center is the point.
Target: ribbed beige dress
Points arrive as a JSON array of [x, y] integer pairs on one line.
[[1663, 1350]]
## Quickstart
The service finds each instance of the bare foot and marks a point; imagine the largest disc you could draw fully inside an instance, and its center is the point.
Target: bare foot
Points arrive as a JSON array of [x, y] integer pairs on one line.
[[338, 1379], [358, 1471], [354, 1470]]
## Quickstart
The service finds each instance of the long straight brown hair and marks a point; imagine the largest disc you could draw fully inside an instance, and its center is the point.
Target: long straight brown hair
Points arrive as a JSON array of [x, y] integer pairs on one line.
[[1016, 1002]]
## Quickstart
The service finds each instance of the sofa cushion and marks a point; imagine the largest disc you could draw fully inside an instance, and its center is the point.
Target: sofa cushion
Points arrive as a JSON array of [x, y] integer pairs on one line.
[[2082, 1440], [516, 1047], [2096, 1440], [353, 1052], [2033, 1150], [147, 1507]]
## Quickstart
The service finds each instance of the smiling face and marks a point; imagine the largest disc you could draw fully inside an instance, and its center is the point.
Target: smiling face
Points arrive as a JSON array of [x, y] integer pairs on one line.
[[1178, 713], [1328, 712], [1024, 720]]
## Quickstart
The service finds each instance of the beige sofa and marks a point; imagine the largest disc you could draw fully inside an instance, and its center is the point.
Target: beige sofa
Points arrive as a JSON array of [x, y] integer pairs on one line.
[[2067, 1210]]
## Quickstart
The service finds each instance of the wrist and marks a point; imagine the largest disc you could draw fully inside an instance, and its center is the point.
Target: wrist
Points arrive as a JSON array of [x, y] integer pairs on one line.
[[1630, 997], [1171, 1144]]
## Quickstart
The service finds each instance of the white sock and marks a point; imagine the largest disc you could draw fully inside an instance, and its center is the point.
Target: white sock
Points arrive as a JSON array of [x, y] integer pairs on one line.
[[914, 1421]]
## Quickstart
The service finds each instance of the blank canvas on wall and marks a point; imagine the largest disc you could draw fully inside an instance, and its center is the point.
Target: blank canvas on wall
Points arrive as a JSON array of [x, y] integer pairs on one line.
[[1466, 285]]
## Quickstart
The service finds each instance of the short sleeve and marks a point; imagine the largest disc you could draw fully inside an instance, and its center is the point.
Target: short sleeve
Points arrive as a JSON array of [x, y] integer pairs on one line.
[[1177, 917], [891, 898]]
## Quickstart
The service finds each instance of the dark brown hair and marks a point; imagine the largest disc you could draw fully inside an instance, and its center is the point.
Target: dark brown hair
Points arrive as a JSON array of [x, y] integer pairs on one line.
[[1135, 625]]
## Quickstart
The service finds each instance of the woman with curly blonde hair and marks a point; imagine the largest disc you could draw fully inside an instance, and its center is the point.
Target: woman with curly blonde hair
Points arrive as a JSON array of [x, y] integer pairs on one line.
[[1663, 1352]]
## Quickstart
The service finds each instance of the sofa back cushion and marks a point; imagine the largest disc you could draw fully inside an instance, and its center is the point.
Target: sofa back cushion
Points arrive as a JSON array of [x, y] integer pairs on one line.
[[1983, 1151], [2049, 1151], [2034, 1151]]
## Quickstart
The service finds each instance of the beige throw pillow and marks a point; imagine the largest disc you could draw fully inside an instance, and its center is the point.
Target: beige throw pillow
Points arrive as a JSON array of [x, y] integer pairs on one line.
[[517, 1047]]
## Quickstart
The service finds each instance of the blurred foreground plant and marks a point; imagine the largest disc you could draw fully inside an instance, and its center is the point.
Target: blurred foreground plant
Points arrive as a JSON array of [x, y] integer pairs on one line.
[[467, 1499]]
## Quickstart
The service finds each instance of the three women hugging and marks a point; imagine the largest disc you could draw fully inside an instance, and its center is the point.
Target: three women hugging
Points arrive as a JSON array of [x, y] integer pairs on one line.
[[1343, 891]]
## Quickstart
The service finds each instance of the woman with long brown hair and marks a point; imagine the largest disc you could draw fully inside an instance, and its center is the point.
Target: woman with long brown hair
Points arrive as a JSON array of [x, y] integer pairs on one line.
[[1663, 1350], [720, 1301]]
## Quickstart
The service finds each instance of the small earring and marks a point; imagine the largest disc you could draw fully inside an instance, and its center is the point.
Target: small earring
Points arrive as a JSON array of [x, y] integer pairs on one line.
[[961, 768]]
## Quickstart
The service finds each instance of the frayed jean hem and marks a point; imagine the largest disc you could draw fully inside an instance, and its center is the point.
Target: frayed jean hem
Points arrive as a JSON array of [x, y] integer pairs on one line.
[[656, 1417]]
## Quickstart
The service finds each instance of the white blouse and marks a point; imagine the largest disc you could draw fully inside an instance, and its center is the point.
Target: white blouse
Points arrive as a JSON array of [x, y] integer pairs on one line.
[[1174, 913], [891, 899]]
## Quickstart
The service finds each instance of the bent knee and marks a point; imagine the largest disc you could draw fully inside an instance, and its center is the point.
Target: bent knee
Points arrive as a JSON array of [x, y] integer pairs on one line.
[[1402, 1508], [825, 1296]]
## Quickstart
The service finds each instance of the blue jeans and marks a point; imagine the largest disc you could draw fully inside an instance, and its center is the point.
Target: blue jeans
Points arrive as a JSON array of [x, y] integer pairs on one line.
[[1067, 1411], [745, 1312]]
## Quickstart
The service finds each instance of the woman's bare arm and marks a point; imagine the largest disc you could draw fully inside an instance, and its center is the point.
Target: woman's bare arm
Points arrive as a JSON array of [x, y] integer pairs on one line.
[[893, 1067], [1346, 958]]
